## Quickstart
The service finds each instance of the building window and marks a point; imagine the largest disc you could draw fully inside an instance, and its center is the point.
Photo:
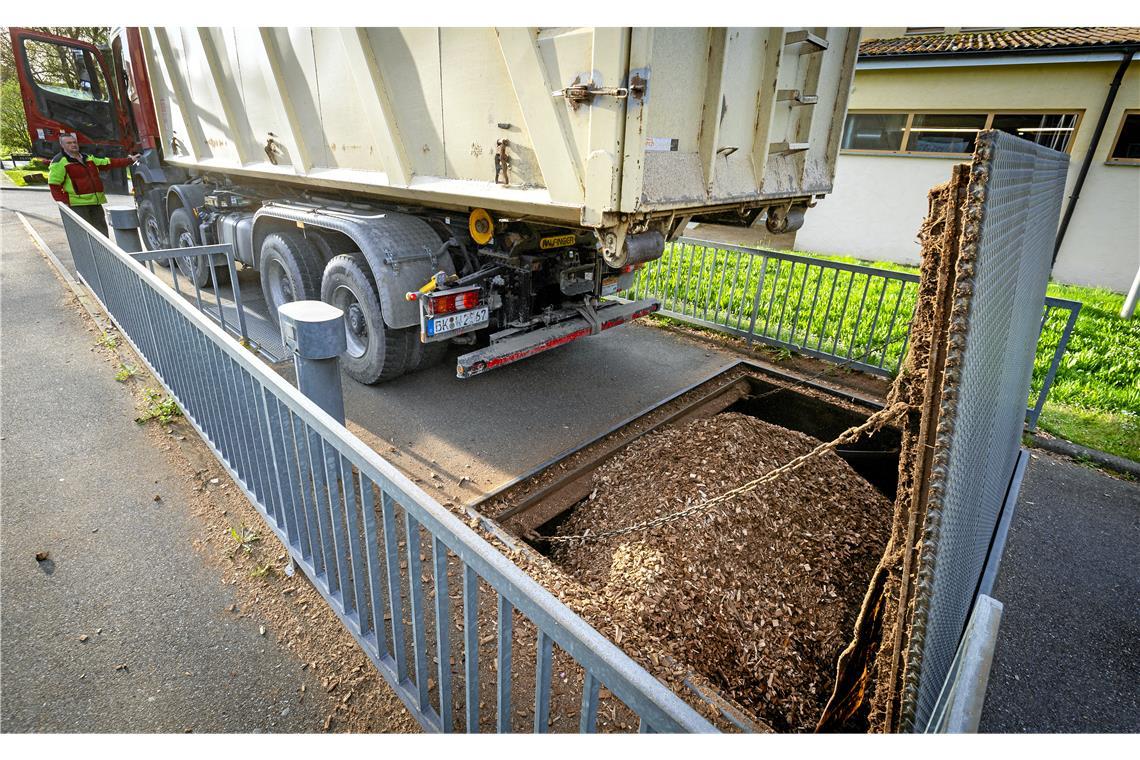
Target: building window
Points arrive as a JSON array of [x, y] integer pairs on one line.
[[950, 133], [1053, 130], [1126, 148], [874, 131], [944, 132]]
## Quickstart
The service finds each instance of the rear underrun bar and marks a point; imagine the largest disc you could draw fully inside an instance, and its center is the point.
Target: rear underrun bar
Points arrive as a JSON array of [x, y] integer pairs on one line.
[[535, 342]]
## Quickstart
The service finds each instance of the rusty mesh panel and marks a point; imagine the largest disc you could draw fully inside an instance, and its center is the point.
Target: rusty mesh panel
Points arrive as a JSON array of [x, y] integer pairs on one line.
[[1010, 221]]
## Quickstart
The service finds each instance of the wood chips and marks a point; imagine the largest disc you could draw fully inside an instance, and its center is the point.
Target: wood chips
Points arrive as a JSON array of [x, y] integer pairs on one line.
[[758, 595]]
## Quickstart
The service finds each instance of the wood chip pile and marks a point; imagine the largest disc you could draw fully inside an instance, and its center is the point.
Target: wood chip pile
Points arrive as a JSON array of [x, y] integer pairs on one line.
[[758, 595]]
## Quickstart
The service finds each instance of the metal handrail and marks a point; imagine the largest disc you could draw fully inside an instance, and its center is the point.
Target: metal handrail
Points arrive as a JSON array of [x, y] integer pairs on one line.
[[802, 259], [1074, 308], [820, 318], [753, 325], [244, 413]]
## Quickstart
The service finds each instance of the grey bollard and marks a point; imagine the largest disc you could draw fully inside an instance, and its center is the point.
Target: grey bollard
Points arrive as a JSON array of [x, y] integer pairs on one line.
[[314, 332], [125, 228]]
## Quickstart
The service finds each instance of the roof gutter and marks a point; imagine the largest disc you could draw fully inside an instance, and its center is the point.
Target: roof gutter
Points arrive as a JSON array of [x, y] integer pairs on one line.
[[990, 58], [1104, 47], [1109, 99]]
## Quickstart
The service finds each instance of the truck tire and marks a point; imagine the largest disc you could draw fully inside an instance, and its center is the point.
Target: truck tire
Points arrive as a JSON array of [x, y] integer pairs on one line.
[[184, 234], [375, 352], [290, 268], [150, 229]]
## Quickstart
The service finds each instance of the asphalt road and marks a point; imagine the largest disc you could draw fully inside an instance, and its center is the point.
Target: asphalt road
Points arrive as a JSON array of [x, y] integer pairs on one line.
[[1068, 650], [79, 481], [493, 427]]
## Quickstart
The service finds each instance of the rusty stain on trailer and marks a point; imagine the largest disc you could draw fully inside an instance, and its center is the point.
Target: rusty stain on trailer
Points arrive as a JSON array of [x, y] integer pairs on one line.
[[639, 84]]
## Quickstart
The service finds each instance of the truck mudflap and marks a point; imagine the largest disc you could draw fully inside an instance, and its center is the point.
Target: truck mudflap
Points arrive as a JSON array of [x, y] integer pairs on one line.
[[518, 347]]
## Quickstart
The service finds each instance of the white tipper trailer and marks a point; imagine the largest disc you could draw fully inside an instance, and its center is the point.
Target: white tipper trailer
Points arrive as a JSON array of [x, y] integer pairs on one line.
[[483, 186]]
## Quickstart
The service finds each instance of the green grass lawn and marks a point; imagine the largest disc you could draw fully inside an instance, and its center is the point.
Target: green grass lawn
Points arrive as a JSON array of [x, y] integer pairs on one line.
[[1095, 398], [17, 176]]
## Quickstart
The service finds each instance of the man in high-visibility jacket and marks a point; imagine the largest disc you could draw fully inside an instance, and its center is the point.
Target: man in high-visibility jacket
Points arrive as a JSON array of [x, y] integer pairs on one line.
[[74, 179]]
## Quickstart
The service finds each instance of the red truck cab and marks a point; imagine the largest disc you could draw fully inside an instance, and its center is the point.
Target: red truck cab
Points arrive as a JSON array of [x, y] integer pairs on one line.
[[101, 95]]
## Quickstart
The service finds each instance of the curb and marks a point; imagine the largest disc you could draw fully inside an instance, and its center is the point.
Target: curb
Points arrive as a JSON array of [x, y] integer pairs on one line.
[[1119, 465]]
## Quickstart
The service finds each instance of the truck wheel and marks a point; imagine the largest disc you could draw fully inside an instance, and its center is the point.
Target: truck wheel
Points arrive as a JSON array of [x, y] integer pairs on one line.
[[375, 351], [290, 270], [150, 230], [184, 234]]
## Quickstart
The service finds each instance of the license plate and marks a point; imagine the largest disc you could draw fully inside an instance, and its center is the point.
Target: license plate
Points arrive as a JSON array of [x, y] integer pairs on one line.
[[452, 322]]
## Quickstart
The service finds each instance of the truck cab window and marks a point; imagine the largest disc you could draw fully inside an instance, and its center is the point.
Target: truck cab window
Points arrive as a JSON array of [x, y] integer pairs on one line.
[[65, 70]]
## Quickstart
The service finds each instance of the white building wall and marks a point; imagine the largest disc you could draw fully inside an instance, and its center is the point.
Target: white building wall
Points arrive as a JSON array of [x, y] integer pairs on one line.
[[879, 201]]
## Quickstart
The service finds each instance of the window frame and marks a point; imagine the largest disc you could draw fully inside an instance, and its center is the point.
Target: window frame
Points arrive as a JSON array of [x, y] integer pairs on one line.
[[1116, 141], [93, 63], [989, 113]]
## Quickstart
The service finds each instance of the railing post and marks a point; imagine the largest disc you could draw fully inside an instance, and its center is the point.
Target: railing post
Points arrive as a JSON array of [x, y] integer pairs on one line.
[[1133, 298], [1074, 308], [314, 332], [756, 301], [125, 228]]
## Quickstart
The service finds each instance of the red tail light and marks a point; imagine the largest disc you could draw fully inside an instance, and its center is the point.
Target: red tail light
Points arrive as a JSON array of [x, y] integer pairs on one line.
[[446, 304]]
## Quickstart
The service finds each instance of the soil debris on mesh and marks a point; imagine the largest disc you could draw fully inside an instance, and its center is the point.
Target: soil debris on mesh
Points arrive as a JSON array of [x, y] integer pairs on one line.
[[759, 594]]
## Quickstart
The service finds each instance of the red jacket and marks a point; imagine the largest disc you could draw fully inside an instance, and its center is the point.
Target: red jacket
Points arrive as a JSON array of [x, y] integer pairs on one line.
[[76, 182]]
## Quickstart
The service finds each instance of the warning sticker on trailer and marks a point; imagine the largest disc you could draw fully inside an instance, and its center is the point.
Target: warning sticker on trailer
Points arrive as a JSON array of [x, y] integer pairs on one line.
[[661, 144]]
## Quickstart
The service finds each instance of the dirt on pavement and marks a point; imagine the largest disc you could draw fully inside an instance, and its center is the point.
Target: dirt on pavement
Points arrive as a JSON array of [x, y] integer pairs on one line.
[[253, 562]]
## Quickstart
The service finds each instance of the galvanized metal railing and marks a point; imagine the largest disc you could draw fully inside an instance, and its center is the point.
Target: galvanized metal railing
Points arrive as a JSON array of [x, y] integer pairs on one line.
[[858, 316], [362, 532], [854, 314], [168, 256], [1052, 308]]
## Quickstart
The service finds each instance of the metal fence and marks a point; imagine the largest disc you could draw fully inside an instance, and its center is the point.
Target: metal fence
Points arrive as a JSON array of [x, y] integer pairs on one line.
[[222, 301], [1055, 309], [383, 554], [858, 316], [211, 307], [854, 314]]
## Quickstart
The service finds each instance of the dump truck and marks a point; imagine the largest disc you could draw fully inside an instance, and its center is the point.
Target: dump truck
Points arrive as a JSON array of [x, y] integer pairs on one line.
[[494, 188]]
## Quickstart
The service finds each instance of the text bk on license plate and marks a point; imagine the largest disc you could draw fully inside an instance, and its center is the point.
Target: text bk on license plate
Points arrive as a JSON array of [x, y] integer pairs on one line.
[[452, 322]]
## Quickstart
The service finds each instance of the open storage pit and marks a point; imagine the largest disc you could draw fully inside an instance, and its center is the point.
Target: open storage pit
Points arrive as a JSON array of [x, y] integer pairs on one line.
[[538, 500], [750, 400]]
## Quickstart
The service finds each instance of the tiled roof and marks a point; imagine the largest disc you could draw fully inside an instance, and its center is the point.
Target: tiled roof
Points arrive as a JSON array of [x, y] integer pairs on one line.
[[1017, 40]]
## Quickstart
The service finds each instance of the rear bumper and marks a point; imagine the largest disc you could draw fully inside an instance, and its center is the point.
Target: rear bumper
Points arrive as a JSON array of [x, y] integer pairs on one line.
[[518, 347]]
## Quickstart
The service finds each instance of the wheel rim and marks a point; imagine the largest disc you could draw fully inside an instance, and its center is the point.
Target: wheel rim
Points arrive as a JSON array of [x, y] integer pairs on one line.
[[281, 289], [188, 265], [153, 234], [355, 325]]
